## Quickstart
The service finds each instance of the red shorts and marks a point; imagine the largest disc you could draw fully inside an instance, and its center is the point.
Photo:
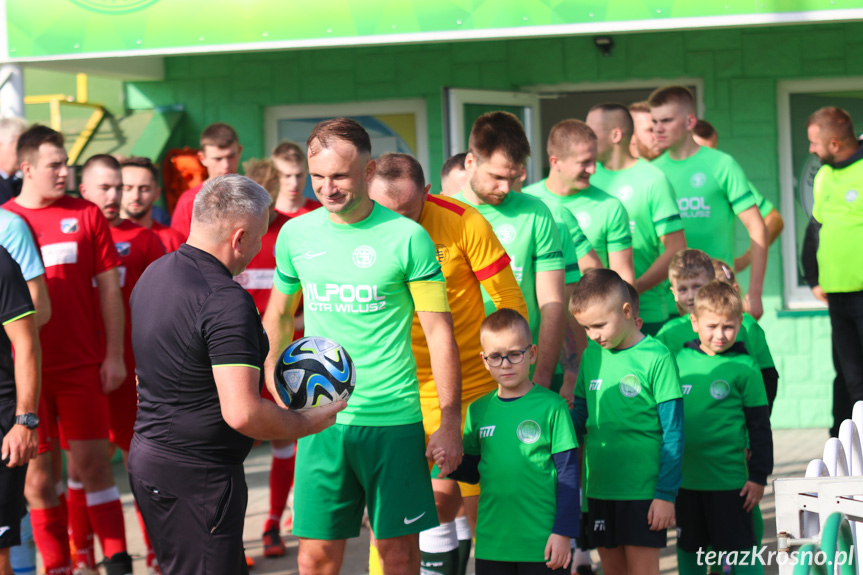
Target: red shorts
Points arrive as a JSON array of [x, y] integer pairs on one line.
[[72, 404], [123, 404]]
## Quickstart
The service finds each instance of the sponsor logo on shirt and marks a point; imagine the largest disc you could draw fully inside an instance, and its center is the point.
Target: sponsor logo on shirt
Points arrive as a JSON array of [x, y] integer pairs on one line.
[[486, 431], [851, 196], [123, 248], [632, 226], [59, 254], [528, 431], [364, 256], [505, 233], [595, 384], [629, 386], [69, 225], [697, 180], [584, 219], [693, 207], [441, 253], [517, 271], [720, 389], [343, 298], [599, 525], [687, 389]]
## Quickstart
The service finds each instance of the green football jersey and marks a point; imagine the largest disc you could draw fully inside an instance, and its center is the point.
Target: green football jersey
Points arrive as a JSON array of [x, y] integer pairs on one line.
[[602, 218], [649, 200], [715, 391], [575, 243], [530, 236], [678, 331], [515, 441], [622, 389], [711, 189], [355, 280]]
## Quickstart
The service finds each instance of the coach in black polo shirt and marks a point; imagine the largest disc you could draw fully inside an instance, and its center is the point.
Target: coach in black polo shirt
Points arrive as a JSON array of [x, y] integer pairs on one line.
[[19, 396], [199, 349]]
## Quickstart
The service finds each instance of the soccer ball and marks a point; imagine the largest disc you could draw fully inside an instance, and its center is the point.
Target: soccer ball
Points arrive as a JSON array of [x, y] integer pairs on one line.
[[314, 371]]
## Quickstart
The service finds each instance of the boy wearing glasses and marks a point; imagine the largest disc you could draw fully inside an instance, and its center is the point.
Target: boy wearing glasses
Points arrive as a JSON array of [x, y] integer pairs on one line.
[[629, 409], [520, 435]]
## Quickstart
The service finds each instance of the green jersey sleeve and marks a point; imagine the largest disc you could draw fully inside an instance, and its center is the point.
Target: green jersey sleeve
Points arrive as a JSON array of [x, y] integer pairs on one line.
[[756, 341], [753, 392], [664, 209], [421, 262], [619, 235], [579, 240], [666, 379], [735, 184], [549, 252], [562, 430], [764, 205], [285, 279]]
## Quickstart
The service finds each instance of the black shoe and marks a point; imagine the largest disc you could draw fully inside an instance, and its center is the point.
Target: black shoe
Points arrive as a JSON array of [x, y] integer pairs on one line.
[[584, 570], [119, 564]]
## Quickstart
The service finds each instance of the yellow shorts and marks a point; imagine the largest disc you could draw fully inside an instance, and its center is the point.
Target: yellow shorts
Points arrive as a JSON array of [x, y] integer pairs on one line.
[[431, 422]]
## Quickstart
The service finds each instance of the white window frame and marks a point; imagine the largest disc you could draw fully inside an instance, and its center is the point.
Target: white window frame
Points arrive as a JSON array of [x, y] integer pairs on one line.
[[797, 297], [417, 107]]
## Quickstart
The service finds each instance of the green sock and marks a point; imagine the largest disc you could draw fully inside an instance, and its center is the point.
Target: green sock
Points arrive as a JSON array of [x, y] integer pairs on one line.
[[758, 524], [687, 563], [446, 563], [753, 567], [464, 546]]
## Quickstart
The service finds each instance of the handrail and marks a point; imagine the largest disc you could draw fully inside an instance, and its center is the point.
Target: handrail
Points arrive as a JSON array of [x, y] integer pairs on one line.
[[836, 538]]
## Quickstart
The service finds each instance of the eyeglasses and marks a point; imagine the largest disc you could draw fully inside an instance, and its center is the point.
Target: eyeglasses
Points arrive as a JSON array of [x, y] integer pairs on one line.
[[514, 357]]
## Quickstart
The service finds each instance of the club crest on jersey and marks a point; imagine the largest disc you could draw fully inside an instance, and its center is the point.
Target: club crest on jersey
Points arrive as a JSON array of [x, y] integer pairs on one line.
[[584, 219], [69, 225], [528, 431], [364, 256], [123, 248], [851, 196], [505, 233], [697, 180], [442, 253], [629, 386], [624, 194], [720, 389]]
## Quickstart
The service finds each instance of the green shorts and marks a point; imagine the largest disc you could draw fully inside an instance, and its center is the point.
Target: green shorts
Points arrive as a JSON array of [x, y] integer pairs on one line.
[[345, 468]]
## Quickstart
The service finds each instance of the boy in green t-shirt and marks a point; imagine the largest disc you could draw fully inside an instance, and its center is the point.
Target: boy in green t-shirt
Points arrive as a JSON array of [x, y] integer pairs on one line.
[[520, 446], [688, 271], [725, 404], [629, 409]]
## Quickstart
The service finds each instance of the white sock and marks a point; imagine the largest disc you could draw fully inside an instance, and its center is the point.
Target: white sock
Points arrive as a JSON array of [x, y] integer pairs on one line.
[[60, 488], [284, 452], [462, 528], [439, 539], [104, 496], [581, 557]]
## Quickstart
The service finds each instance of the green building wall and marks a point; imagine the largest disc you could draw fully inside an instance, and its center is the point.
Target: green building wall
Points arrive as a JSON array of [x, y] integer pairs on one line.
[[739, 67]]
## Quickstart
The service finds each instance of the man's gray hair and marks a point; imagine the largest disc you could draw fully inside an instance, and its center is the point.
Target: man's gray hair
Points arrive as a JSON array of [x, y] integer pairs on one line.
[[228, 199], [11, 128]]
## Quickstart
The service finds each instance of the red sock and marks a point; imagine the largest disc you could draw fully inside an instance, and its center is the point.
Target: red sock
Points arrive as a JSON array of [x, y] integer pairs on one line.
[[106, 516], [80, 531], [147, 544], [49, 533], [281, 480]]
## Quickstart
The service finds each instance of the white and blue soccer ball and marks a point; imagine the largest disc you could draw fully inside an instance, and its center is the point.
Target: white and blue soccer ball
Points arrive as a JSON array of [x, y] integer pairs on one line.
[[314, 371]]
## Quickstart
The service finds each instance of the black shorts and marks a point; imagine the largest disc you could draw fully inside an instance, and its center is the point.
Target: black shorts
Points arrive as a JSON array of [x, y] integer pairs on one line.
[[13, 506], [713, 518], [610, 523], [193, 510], [486, 567]]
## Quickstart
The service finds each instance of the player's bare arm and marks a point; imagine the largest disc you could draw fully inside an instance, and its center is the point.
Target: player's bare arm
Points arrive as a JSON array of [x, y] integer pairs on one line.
[[622, 263], [41, 300], [245, 410], [574, 343], [113, 370], [775, 224], [21, 444], [549, 297], [591, 260], [446, 370], [278, 322], [754, 224], [658, 271]]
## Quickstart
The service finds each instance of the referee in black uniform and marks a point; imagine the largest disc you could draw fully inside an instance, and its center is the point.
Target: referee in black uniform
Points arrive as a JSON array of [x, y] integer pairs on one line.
[[199, 349], [19, 397]]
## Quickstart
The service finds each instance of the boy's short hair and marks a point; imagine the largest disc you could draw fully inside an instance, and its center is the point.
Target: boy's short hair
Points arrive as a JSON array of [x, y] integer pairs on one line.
[[617, 116], [141, 162], [565, 135], [704, 130], [672, 94], [104, 160], [724, 273], [289, 152], [690, 263], [32, 139], [598, 285], [505, 319], [719, 298], [263, 173], [639, 107], [453, 163], [220, 135], [499, 132], [634, 299]]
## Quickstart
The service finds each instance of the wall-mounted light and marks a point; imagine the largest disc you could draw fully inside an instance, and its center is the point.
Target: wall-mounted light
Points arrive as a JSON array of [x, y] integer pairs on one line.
[[605, 44]]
